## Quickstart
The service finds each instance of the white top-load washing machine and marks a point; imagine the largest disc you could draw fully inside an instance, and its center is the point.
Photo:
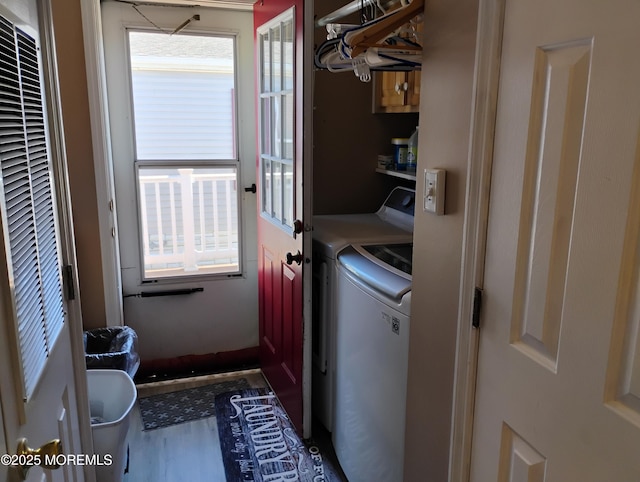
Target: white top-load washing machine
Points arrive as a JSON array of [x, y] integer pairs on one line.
[[372, 352], [392, 223]]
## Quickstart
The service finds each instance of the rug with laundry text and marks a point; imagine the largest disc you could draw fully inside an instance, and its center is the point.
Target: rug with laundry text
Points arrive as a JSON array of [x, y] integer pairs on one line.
[[259, 444]]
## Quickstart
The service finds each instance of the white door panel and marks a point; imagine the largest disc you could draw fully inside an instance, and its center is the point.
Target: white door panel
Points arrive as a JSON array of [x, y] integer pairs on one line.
[[556, 398]]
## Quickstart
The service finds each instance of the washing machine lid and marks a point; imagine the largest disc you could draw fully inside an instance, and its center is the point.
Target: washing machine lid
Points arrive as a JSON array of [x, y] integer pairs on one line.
[[392, 223], [331, 233], [368, 266]]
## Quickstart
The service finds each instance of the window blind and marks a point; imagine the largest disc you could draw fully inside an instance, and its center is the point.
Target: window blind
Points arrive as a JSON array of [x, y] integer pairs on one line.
[[28, 204]]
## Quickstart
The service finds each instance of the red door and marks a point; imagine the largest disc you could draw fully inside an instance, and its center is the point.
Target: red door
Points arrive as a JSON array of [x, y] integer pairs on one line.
[[281, 262]]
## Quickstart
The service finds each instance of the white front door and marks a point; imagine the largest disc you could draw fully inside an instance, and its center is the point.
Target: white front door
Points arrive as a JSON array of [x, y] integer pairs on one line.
[[558, 387], [37, 385]]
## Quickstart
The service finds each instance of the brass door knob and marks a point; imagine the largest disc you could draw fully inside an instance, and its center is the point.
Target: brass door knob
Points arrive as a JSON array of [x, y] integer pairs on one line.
[[46, 456]]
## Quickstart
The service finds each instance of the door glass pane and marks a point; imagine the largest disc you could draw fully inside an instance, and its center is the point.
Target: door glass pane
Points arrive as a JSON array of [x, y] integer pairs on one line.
[[265, 114], [276, 59], [288, 195], [277, 190], [183, 96], [276, 127], [287, 41], [265, 46], [189, 220], [266, 187], [288, 113]]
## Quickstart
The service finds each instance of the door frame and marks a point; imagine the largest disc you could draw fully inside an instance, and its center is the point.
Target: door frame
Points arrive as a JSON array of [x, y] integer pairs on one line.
[[307, 201], [67, 237], [102, 159], [105, 190], [479, 166], [97, 92]]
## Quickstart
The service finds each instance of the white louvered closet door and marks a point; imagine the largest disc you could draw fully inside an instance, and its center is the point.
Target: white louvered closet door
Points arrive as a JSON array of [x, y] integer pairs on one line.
[[37, 376], [28, 205]]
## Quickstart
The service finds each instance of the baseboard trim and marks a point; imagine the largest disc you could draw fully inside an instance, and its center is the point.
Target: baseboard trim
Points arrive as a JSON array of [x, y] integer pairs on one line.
[[197, 365]]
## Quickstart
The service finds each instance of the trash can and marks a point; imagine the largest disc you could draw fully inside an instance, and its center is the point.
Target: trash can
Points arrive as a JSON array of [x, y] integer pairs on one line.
[[114, 347], [112, 395]]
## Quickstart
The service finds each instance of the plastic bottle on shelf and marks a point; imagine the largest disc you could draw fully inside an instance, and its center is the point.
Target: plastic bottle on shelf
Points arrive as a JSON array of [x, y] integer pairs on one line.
[[412, 151]]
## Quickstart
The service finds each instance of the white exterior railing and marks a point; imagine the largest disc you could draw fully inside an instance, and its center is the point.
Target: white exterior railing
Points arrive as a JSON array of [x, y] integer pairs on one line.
[[189, 221]]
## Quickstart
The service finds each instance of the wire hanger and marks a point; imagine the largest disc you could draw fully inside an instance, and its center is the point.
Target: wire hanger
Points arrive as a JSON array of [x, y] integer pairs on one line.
[[374, 45], [371, 33], [353, 7]]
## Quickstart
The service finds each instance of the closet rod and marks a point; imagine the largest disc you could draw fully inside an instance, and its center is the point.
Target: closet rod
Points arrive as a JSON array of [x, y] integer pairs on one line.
[[350, 8]]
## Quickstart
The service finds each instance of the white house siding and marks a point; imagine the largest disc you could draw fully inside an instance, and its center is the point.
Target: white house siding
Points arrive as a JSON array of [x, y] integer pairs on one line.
[[183, 115]]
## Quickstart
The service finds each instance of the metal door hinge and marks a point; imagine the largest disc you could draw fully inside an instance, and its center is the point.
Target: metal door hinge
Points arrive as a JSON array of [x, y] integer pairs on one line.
[[477, 307], [67, 281]]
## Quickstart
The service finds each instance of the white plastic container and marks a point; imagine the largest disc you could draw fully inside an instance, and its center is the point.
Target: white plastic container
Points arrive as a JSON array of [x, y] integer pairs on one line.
[[112, 395], [399, 153]]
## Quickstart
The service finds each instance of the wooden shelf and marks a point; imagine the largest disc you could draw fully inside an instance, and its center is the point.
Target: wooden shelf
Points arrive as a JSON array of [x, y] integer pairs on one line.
[[409, 175]]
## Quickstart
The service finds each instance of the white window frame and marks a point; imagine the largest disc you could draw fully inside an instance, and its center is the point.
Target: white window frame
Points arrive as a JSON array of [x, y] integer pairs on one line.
[[187, 165], [212, 163]]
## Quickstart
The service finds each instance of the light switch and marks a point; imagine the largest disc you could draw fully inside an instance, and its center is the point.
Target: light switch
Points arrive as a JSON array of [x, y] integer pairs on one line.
[[434, 181]]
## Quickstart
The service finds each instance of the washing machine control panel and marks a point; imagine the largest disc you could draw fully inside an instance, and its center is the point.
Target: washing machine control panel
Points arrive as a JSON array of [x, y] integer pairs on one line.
[[401, 199]]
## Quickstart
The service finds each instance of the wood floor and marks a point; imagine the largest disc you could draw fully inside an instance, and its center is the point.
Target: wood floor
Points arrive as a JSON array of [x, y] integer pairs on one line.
[[187, 452]]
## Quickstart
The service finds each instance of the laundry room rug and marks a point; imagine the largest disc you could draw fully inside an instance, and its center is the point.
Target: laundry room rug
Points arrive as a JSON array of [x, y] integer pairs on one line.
[[172, 408], [259, 444]]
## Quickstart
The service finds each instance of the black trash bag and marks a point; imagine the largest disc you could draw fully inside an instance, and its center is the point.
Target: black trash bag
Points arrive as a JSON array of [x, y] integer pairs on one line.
[[114, 347]]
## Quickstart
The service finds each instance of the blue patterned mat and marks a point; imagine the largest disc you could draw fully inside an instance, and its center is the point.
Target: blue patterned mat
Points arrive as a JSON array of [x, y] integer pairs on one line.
[[184, 405]]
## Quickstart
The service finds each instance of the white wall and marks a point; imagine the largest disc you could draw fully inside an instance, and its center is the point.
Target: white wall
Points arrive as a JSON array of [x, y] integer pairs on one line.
[[79, 151], [445, 114]]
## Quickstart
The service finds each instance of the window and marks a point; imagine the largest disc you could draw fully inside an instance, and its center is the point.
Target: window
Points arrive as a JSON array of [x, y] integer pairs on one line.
[[276, 120], [184, 109]]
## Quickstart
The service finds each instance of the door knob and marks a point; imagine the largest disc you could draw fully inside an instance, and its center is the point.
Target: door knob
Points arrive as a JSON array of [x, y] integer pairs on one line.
[[294, 257], [46, 456]]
